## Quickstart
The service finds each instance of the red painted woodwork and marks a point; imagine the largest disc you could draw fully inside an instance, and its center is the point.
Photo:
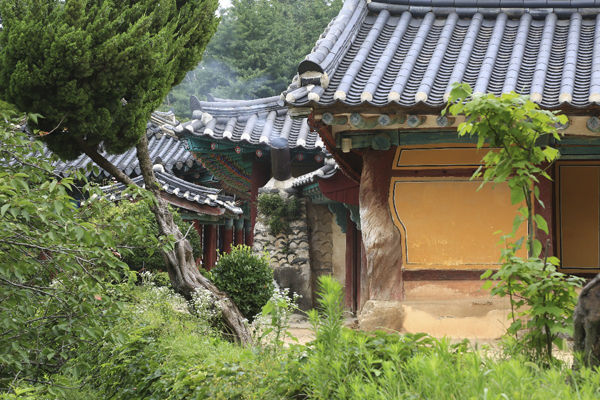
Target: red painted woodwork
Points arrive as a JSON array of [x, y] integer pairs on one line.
[[210, 247], [199, 228], [239, 236], [226, 234], [353, 264], [348, 162], [434, 173], [340, 188], [192, 206], [248, 239]]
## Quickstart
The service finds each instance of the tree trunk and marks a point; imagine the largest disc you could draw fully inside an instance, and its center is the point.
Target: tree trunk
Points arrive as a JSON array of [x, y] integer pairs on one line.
[[104, 163], [586, 319], [180, 262], [181, 266]]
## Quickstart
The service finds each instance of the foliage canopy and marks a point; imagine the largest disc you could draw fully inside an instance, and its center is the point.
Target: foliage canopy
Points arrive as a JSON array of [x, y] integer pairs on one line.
[[59, 271], [256, 50], [97, 69]]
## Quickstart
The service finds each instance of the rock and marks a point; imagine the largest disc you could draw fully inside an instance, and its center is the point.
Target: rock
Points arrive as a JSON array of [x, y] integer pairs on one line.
[[586, 319], [383, 315]]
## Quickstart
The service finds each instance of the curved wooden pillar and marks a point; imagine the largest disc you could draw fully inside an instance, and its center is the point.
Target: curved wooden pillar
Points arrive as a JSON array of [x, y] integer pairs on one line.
[[210, 247], [380, 236]]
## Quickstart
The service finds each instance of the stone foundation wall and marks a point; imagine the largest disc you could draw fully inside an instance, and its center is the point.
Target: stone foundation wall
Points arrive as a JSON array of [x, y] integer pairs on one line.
[[290, 255]]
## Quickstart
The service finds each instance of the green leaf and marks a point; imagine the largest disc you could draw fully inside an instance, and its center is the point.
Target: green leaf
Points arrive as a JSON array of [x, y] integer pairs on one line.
[[541, 223], [537, 248]]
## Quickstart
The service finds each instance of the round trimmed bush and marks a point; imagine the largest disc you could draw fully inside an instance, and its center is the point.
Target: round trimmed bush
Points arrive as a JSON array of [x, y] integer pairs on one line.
[[246, 277]]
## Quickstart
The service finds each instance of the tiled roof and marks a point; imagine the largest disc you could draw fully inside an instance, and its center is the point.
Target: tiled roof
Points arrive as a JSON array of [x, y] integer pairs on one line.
[[164, 148], [183, 190], [254, 122], [408, 53]]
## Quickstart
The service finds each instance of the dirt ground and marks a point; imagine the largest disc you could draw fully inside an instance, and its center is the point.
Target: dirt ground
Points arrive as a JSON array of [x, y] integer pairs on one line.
[[300, 329]]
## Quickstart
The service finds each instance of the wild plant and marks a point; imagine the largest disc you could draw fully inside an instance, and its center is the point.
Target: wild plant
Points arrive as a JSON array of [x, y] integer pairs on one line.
[[271, 326], [542, 299]]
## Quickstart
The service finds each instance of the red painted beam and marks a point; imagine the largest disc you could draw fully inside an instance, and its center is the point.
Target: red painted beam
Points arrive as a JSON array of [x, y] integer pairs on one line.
[[339, 188], [191, 205], [348, 162]]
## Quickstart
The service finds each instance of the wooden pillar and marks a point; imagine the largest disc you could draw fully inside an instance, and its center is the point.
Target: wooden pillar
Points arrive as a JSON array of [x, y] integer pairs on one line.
[[260, 176], [248, 236], [210, 246], [199, 228], [380, 236], [547, 197], [239, 232], [227, 236], [353, 262]]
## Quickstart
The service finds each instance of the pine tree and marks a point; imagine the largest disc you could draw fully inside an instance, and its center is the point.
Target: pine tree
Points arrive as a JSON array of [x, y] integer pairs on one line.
[[95, 70]]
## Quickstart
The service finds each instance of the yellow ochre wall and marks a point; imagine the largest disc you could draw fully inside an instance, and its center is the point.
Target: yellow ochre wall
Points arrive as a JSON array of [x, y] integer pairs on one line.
[[446, 222]]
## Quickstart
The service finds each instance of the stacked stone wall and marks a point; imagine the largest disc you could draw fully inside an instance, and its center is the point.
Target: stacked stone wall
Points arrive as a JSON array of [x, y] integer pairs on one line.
[[290, 254]]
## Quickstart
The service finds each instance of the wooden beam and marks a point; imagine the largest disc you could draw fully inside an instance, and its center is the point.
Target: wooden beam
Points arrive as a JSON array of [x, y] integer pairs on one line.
[[191, 205]]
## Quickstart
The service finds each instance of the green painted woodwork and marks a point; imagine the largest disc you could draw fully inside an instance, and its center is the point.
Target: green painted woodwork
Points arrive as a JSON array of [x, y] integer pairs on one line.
[[330, 119]]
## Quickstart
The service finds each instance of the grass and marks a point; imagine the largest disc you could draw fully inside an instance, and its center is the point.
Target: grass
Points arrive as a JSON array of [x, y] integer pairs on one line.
[[167, 353]]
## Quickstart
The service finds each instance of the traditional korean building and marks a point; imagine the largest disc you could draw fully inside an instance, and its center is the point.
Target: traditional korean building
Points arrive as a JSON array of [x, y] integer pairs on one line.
[[373, 87], [233, 140], [186, 185], [254, 146]]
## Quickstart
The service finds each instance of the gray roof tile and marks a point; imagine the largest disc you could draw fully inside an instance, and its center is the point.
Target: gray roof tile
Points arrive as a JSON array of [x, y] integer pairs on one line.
[[184, 190], [164, 148], [385, 52], [254, 122]]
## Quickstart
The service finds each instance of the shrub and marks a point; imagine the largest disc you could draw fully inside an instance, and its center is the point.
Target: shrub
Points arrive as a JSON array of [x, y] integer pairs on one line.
[[59, 275], [144, 252], [246, 277]]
